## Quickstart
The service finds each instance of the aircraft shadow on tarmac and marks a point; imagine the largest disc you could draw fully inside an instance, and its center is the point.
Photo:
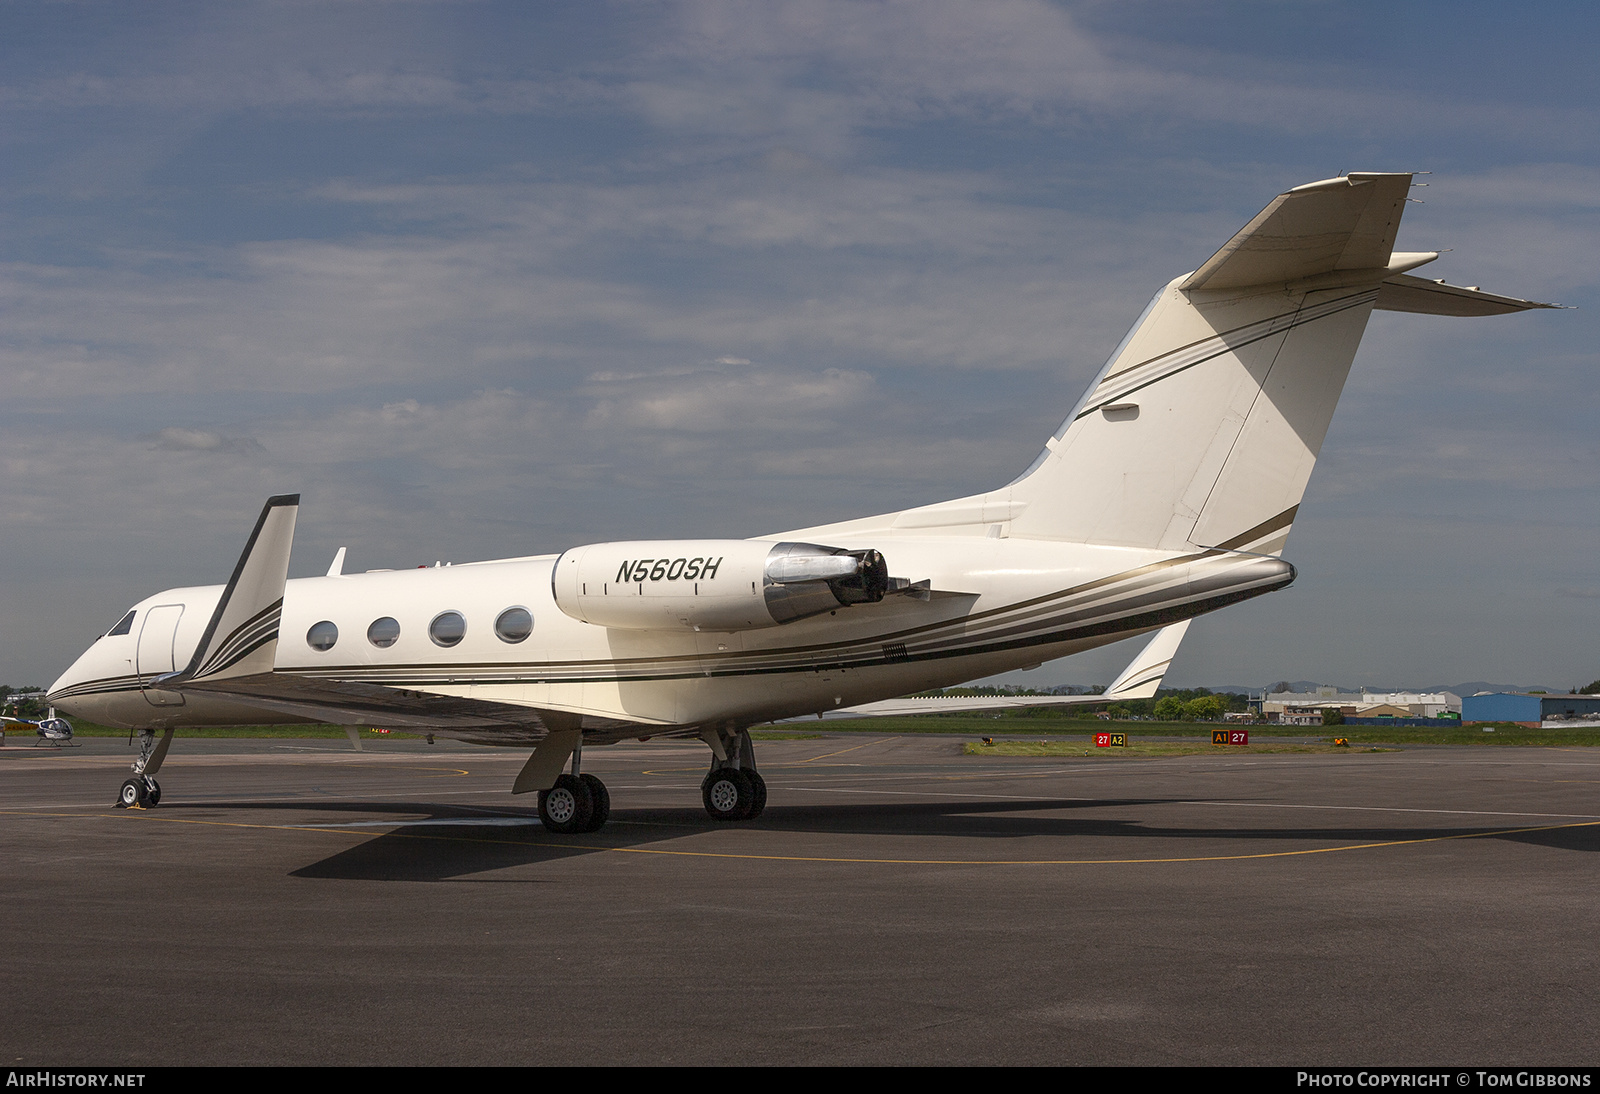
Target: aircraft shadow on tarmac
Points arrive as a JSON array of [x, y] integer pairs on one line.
[[447, 842]]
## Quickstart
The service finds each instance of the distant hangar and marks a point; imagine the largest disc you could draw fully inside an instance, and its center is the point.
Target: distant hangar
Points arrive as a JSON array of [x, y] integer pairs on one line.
[[1529, 708]]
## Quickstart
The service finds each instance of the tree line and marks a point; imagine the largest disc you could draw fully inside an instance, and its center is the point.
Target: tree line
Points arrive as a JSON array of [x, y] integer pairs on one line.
[[26, 702]]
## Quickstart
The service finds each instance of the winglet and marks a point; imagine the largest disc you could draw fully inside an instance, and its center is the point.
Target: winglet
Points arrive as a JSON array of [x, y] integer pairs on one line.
[[242, 636], [1143, 675]]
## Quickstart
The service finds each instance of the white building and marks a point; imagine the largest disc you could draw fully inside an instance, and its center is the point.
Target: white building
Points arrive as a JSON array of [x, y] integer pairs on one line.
[[1352, 703]]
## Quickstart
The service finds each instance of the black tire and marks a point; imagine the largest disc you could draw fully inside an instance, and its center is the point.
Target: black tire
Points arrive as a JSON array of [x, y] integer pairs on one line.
[[566, 806], [152, 794], [758, 794], [132, 794], [727, 794], [600, 801]]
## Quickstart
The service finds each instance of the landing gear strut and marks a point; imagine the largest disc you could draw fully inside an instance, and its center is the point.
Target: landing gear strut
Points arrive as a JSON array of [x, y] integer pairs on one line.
[[733, 789], [577, 802], [142, 791]]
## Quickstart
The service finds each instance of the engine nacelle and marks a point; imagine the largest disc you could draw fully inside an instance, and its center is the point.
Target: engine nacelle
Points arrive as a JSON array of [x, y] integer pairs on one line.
[[713, 585]]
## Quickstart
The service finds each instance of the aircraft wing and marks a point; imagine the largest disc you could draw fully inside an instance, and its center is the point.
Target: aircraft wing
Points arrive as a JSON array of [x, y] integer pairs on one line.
[[234, 658], [342, 702], [1138, 681], [355, 703]]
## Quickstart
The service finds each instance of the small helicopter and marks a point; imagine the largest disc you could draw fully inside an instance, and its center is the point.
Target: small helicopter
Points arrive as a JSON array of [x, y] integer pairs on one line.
[[57, 732]]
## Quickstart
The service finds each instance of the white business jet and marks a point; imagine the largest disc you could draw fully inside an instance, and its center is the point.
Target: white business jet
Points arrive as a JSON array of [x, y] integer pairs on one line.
[[1169, 491]]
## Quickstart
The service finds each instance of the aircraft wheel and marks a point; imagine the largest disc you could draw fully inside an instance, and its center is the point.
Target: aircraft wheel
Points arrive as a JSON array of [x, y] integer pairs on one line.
[[728, 794], [132, 794], [152, 795], [600, 800], [567, 806], [758, 798]]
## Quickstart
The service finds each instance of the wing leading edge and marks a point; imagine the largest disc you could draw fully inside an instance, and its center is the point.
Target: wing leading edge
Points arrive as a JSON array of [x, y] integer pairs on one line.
[[1138, 681]]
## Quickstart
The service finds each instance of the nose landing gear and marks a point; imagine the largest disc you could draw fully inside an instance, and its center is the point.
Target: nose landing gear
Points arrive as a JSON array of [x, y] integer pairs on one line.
[[142, 791], [139, 792]]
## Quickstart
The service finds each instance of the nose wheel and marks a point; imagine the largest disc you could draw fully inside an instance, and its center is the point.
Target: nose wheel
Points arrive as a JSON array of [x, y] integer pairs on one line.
[[139, 792]]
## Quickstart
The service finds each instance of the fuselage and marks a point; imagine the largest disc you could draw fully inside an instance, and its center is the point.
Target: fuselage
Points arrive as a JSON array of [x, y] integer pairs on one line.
[[988, 605]]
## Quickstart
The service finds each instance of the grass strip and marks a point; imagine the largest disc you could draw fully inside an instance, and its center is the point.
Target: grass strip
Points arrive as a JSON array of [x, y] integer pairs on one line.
[[1149, 749]]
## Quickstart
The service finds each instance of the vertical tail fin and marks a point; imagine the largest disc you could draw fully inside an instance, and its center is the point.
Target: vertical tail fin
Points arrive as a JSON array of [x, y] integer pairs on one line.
[[1203, 427]]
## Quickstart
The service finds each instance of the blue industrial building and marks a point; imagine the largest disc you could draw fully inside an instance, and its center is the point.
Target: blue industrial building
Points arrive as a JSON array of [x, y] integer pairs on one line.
[[1529, 710]]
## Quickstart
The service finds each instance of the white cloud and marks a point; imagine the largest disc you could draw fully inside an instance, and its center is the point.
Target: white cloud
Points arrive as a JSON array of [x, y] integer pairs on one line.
[[767, 401], [179, 439], [817, 72], [532, 276]]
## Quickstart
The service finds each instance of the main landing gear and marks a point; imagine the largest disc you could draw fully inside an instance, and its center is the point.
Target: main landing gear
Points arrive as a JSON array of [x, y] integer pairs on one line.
[[142, 791], [733, 789], [576, 803]]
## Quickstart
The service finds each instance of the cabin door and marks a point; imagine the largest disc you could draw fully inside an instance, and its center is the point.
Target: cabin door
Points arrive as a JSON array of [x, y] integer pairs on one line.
[[156, 654]]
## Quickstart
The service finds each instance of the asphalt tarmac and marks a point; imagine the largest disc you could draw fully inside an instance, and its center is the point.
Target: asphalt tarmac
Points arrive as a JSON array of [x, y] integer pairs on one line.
[[293, 902]]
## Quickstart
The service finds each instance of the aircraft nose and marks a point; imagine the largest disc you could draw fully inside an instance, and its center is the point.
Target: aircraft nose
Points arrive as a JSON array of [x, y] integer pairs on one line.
[[68, 684], [58, 690]]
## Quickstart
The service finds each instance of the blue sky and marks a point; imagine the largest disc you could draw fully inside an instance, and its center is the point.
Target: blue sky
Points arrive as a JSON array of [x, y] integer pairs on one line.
[[484, 279]]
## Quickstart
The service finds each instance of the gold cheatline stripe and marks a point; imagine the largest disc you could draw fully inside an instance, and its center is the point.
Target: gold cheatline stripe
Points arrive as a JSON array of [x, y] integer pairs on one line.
[[1214, 348], [1271, 524], [1037, 616]]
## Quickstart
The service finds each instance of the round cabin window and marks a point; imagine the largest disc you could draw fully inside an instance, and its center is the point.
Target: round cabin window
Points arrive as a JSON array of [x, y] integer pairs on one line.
[[384, 632], [447, 629], [322, 636], [513, 625]]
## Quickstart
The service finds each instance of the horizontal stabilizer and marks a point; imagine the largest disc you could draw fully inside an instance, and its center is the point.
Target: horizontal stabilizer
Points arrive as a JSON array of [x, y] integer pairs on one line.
[[1417, 294], [1347, 223]]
